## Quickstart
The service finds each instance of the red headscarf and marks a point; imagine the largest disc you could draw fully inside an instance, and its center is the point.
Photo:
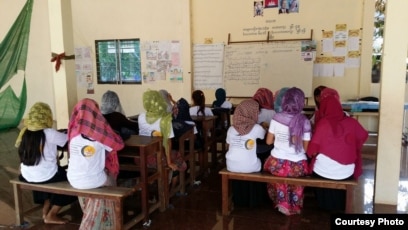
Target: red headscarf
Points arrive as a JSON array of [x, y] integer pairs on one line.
[[337, 136], [245, 116], [323, 94], [264, 97], [88, 120]]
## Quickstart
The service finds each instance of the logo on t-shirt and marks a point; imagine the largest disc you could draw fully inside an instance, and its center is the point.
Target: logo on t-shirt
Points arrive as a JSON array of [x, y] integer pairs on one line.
[[88, 151], [156, 133], [249, 144]]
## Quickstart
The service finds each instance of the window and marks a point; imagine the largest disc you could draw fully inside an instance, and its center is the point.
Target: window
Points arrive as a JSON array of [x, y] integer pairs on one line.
[[118, 61]]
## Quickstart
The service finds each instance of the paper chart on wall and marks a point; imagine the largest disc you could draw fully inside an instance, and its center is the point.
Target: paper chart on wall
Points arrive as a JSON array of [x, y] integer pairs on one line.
[[208, 66]]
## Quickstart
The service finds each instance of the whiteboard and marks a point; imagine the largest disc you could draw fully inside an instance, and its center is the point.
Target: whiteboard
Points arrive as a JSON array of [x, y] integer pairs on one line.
[[272, 65]]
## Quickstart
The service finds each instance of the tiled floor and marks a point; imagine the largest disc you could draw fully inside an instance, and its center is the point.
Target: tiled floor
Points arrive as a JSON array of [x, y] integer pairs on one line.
[[201, 208]]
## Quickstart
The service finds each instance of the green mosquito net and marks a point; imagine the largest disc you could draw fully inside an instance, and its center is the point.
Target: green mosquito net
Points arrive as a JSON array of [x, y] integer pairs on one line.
[[13, 57]]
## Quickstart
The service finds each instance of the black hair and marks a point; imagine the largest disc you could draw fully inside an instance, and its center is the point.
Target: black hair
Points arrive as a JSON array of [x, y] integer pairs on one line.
[[199, 100], [31, 148]]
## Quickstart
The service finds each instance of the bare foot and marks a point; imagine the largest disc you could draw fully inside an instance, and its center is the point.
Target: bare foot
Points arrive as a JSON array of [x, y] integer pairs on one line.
[[55, 220]]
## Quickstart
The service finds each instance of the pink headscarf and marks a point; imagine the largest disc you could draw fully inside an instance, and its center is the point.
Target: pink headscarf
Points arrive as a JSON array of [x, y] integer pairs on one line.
[[88, 120], [264, 97]]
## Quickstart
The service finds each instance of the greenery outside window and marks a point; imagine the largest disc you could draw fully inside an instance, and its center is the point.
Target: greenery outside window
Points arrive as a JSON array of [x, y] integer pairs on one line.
[[118, 61]]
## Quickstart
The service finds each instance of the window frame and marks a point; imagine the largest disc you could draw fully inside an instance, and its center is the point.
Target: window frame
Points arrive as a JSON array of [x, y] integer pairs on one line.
[[118, 79]]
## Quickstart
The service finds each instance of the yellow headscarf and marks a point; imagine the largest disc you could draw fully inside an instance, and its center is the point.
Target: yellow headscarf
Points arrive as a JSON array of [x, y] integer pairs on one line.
[[156, 107], [39, 117]]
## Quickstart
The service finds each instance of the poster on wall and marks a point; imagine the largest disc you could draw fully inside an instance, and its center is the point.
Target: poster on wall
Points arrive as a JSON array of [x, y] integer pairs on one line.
[[208, 66], [162, 61], [83, 69], [288, 6], [258, 8]]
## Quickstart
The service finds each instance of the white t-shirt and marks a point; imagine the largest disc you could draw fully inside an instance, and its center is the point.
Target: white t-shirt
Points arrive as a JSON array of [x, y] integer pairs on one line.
[[146, 129], [194, 109], [48, 165], [329, 168], [282, 149], [266, 115], [241, 155], [86, 164], [226, 105]]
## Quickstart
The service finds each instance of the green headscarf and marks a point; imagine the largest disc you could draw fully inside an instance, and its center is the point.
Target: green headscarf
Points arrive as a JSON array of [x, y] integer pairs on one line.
[[156, 108], [39, 117]]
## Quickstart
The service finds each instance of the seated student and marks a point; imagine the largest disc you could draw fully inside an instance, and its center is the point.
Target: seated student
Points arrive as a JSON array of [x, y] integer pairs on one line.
[[277, 99], [93, 161], [335, 149], [169, 100], [198, 108], [242, 154], [37, 148], [316, 96], [221, 102], [112, 110], [241, 138], [290, 133], [182, 120], [156, 121], [265, 99]]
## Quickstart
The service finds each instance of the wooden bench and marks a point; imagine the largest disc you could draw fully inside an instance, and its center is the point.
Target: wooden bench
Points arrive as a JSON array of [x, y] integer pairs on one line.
[[116, 194], [226, 176]]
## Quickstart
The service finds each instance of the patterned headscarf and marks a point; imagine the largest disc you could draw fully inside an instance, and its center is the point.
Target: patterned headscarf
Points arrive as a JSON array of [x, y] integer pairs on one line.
[[88, 120], [156, 108], [166, 98], [110, 103], [39, 117], [264, 97], [220, 96], [292, 105], [245, 116], [278, 99]]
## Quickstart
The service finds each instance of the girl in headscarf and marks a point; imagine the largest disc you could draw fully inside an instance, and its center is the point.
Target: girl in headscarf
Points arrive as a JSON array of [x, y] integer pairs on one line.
[[182, 120], [37, 148], [278, 99], [335, 149], [111, 109], [220, 99], [290, 132], [241, 138], [156, 121], [242, 156], [168, 99], [93, 161], [264, 97], [199, 108], [316, 96]]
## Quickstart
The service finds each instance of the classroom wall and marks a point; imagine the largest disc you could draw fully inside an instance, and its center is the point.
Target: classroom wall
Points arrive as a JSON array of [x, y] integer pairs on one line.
[[214, 20], [143, 19], [210, 20]]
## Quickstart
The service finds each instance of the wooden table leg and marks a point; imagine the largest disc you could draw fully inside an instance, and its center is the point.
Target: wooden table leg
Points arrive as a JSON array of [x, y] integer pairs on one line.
[[18, 204]]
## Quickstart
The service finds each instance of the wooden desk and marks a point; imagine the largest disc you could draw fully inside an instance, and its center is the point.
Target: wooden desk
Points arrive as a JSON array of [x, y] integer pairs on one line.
[[208, 125], [139, 147]]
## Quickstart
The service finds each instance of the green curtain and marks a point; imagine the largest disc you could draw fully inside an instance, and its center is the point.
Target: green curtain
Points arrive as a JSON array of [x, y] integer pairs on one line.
[[13, 57]]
